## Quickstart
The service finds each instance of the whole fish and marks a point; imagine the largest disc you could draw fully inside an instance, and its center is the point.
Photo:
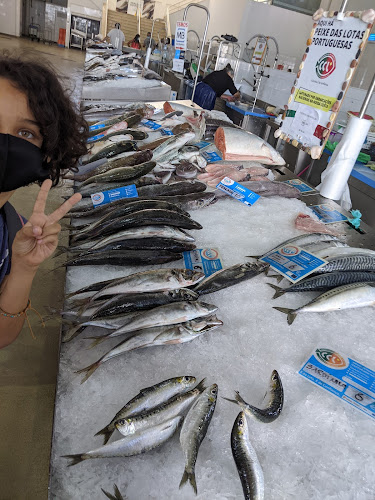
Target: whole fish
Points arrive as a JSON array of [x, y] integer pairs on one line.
[[107, 127], [133, 444], [301, 241], [99, 187], [248, 466], [356, 262], [174, 189], [130, 206], [194, 430], [324, 282], [128, 161], [154, 144], [121, 173], [147, 217], [191, 201], [120, 304], [175, 142], [123, 258], [155, 244], [151, 281], [94, 287], [240, 145], [229, 276], [117, 129], [145, 232], [186, 170], [157, 336], [273, 408], [171, 409], [114, 149], [344, 297], [168, 314], [333, 252], [116, 496], [268, 188], [106, 323], [148, 398], [99, 146]]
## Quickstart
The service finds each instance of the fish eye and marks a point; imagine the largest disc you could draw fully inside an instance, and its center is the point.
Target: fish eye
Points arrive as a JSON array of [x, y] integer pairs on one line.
[[121, 422], [186, 379], [214, 391], [240, 422]]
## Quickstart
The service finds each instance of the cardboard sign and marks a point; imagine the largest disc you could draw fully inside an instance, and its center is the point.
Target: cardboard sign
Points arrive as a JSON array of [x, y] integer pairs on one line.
[[325, 73], [343, 377]]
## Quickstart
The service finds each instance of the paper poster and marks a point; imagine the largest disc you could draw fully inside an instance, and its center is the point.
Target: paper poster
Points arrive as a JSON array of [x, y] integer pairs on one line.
[[327, 68], [180, 41]]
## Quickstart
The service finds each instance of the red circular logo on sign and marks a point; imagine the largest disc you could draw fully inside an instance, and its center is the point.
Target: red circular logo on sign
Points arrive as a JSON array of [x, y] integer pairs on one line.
[[325, 65]]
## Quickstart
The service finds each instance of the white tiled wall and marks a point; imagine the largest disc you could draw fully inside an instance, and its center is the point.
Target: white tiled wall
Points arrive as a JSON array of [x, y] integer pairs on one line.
[[276, 90]]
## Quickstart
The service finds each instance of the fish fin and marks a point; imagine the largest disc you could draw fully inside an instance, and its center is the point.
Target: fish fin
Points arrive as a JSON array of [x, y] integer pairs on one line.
[[290, 312], [108, 495], [279, 291], [76, 459], [89, 370], [72, 333], [117, 493], [201, 385], [97, 341], [106, 433], [191, 477]]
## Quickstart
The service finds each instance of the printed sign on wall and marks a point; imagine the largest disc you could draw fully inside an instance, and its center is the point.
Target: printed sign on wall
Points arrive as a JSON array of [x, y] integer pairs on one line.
[[327, 68], [259, 51]]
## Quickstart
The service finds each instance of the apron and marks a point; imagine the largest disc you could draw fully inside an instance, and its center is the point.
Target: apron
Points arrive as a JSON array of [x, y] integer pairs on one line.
[[204, 96]]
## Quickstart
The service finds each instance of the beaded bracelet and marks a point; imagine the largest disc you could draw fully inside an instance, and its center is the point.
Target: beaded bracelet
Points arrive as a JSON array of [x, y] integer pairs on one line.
[[16, 315], [19, 314]]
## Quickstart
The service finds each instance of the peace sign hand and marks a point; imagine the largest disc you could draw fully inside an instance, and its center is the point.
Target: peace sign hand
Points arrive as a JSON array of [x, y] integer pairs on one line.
[[38, 239]]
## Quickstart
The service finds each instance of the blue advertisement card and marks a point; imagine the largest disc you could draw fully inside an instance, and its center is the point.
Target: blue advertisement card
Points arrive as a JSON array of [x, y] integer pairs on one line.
[[327, 214], [105, 197], [205, 260], [237, 191], [343, 377]]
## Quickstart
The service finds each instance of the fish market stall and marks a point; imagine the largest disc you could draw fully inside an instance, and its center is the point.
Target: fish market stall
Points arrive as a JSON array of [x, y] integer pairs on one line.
[[222, 330], [112, 77]]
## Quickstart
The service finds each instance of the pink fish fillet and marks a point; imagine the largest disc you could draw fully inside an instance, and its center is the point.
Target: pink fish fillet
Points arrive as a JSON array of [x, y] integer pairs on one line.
[[309, 225], [240, 145]]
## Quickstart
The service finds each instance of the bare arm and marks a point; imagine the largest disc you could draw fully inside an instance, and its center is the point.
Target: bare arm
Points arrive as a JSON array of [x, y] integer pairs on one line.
[[33, 244]]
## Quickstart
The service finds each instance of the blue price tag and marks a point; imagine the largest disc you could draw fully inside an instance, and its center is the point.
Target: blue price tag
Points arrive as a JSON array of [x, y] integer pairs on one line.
[[106, 197], [293, 262], [202, 144], [97, 127], [211, 156], [300, 185], [241, 193], [343, 377], [327, 214], [95, 138], [166, 131], [151, 125], [205, 260]]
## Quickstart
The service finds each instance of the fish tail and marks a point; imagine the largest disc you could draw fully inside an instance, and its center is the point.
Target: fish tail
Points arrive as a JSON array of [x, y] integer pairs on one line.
[[118, 495], [279, 291], [201, 385], [277, 277], [231, 400], [253, 256], [290, 312], [72, 333], [76, 459], [97, 340], [89, 370], [238, 400], [106, 433], [189, 476], [60, 250]]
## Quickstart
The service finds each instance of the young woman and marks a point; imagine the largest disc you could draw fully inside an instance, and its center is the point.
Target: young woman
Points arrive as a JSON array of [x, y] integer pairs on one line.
[[135, 43], [41, 135]]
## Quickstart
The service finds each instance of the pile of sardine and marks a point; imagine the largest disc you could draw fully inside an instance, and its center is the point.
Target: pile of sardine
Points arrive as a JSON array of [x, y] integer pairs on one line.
[[347, 280], [153, 416]]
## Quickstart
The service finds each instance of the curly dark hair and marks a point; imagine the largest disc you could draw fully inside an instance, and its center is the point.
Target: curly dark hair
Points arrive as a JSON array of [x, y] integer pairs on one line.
[[63, 129]]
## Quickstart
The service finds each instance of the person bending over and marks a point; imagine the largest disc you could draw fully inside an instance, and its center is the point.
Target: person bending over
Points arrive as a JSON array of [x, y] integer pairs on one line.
[[213, 86]]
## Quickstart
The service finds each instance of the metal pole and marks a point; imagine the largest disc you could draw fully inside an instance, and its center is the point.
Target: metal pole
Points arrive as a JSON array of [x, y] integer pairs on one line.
[[204, 38], [367, 98], [343, 5]]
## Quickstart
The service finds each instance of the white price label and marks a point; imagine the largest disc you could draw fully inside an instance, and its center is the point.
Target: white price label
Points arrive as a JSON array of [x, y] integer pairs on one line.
[[181, 35]]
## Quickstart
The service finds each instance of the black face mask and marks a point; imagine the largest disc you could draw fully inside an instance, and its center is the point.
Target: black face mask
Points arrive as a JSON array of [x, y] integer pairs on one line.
[[21, 163]]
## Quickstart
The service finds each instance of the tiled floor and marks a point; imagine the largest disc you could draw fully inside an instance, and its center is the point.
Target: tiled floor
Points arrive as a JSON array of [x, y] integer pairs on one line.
[[28, 367]]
